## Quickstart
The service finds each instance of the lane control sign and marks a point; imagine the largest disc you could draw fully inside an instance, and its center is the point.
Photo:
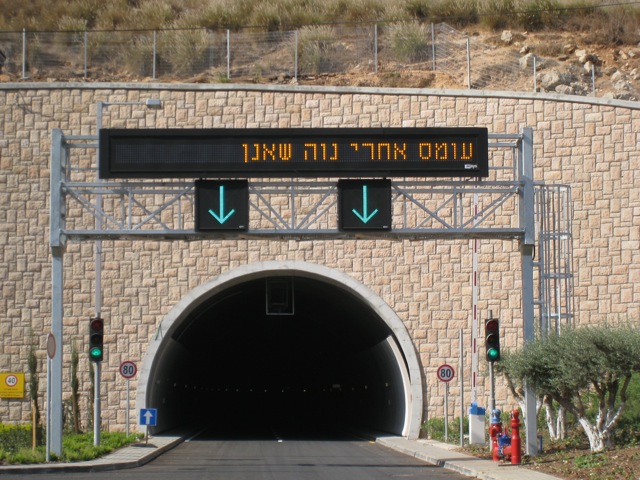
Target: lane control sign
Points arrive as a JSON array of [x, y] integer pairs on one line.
[[364, 205], [222, 205]]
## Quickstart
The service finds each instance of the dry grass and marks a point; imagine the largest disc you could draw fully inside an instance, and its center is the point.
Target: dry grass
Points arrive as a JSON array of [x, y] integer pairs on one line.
[[610, 23]]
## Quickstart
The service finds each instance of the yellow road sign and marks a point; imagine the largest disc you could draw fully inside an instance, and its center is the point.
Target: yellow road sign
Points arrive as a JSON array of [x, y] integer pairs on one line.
[[11, 385]]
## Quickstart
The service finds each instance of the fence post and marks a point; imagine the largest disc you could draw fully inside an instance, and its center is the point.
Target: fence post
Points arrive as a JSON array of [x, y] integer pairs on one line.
[[469, 62], [155, 52], [433, 46], [86, 53], [295, 59], [375, 47], [24, 53], [593, 79], [228, 55]]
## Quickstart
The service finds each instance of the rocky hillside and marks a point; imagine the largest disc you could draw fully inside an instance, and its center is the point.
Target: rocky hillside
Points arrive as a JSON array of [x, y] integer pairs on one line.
[[566, 63]]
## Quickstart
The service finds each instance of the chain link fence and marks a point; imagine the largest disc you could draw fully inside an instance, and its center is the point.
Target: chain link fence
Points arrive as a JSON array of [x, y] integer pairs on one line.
[[223, 56]]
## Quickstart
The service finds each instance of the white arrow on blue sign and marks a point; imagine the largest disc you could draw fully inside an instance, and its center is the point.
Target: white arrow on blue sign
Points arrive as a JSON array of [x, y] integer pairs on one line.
[[148, 417]]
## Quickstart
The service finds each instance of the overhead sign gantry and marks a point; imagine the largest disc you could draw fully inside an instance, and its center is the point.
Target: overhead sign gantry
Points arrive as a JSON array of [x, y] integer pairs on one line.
[[294, 152]]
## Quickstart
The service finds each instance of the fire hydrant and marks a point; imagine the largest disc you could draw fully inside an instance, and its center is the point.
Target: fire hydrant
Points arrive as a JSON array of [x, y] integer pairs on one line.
[[516, 444], [508, 447], [495, 430]]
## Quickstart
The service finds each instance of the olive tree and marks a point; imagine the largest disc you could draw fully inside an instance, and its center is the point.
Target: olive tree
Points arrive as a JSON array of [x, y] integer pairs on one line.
[[577, 365]]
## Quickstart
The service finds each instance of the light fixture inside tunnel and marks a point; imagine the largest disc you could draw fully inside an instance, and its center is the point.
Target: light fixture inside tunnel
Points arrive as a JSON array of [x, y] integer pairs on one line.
[[279, 296]]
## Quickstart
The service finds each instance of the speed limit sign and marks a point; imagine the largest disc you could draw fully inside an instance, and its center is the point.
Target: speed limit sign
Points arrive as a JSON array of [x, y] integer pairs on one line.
[[445, 373], [128, 369]]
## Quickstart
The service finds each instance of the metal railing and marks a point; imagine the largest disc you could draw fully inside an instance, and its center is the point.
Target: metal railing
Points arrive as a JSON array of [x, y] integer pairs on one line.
[[224, 55]]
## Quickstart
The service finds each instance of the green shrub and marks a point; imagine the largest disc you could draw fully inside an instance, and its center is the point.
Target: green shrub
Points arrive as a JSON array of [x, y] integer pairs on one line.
[[354, 11], [497, 14], [27, 456], [434, 429], [455, 12], [418, 9], [540, 14], [628, 431], [410, 41], [184, 50], [15, 437], [316, 49], [15, 445]]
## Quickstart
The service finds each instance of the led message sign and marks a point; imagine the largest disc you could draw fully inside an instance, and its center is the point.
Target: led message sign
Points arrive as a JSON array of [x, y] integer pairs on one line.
[[312, 152]]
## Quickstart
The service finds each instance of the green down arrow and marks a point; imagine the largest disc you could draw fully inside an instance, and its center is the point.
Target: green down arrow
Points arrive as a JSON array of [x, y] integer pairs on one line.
[[365, 216], [221, 217]]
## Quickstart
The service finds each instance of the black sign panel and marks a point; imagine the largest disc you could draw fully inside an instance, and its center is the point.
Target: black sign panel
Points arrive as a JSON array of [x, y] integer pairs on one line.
[[221, 205], [312, 152], [364, 205]]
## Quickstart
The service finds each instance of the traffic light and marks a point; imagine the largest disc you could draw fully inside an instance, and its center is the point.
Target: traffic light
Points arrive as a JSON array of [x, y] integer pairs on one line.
[[96, 339], [492, 339]]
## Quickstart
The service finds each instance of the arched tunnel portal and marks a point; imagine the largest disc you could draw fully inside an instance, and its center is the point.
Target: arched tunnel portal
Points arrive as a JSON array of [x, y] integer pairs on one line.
[[284, 347]]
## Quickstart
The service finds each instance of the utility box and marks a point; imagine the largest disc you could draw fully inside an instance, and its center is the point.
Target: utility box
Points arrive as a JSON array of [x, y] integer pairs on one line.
[[477, 429]]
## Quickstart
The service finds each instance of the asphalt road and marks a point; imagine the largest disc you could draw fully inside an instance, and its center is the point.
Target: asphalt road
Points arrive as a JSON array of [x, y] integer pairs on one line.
[[274, 456]]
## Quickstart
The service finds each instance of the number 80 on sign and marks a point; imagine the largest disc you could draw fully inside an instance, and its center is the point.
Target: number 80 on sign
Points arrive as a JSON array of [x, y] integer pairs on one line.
[[128, 369], [445, 373]]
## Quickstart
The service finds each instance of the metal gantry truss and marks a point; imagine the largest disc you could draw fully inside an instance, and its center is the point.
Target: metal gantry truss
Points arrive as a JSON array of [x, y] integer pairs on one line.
[[94, 209], [506, 205]]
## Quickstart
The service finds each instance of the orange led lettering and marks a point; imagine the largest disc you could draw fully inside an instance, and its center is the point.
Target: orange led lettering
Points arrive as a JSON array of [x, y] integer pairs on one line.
[[399, 152], [372, 147], [467, 155], [266, 151], [335, 152], [382, 146], [441, 151], [425, 151], [313, 147], [284, 151], [245, 147]]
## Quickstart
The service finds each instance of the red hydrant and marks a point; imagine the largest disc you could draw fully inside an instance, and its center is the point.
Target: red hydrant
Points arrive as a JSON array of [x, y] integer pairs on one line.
[[516, 455], [509, 446], [504, 446], [495, 430]]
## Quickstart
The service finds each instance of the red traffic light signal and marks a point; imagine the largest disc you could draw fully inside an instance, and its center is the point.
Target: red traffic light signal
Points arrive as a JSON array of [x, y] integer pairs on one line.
[[492, 339], [96, 339]]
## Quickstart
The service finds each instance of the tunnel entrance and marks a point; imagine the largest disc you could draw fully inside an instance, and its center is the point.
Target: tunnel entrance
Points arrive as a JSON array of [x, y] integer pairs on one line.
[[283, 350]]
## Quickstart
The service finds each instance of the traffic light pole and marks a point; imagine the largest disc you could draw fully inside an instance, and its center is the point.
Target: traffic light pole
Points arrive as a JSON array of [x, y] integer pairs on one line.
[[96, 405], [492, 380]]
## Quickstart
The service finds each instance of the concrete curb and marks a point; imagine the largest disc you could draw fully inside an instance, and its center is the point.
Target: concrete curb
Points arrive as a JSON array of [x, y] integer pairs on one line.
[[445, 456]]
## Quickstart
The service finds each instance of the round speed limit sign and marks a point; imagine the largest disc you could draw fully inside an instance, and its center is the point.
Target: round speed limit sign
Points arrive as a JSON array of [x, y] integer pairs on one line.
[[128, 369], [445, 373]]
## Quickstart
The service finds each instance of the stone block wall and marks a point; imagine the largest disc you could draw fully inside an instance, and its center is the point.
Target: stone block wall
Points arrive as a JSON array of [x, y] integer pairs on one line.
[[590, 145]]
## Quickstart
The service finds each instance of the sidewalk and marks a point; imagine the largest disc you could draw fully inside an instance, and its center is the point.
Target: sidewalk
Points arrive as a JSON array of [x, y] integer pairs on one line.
[[437, 453], [446, 456]]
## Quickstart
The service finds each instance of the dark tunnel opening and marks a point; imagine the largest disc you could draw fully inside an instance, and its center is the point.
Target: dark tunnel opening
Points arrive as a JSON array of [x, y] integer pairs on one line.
[[288, 355]]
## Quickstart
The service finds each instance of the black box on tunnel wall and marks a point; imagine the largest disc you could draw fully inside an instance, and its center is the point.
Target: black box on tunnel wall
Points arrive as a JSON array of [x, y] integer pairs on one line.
[[280, 296]]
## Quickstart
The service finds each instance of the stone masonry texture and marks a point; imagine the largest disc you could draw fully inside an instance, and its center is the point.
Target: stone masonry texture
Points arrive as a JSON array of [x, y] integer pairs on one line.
[[590, 145]]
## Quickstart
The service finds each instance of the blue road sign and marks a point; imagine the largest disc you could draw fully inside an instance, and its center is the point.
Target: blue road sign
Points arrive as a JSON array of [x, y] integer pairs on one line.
[[148, 417]]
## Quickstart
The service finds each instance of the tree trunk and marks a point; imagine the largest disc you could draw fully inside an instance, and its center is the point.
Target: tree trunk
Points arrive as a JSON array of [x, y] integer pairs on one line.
[[596, 440], [561, 420], [551, 422]]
